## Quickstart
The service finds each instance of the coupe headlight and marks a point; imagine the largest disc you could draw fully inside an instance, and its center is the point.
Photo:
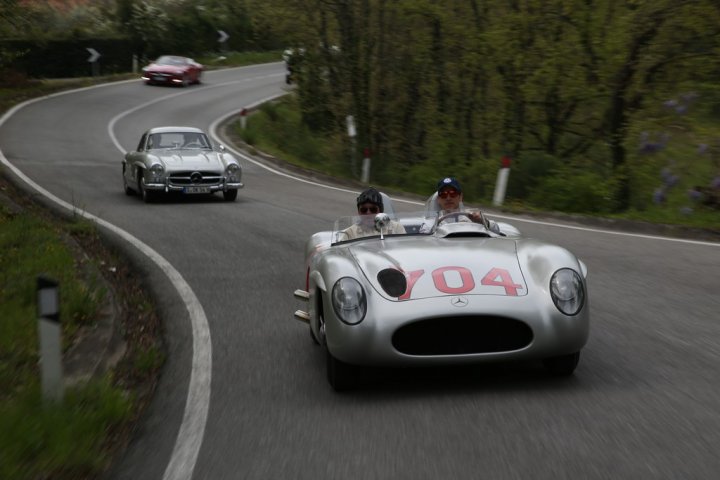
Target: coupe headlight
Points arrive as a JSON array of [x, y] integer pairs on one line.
[[348, 300], [157, 169], [233, 172], [567, 292]]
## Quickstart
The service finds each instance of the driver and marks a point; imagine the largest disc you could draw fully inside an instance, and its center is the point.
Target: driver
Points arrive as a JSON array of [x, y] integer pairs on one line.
[[449, 200], [369, 204]]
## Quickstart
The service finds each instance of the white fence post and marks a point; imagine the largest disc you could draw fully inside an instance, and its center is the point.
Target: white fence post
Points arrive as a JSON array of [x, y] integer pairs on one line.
[[49, 332]]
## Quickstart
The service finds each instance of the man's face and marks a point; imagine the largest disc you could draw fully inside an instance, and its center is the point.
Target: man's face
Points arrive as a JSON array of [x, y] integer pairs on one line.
[[449, 199], [368, 209]]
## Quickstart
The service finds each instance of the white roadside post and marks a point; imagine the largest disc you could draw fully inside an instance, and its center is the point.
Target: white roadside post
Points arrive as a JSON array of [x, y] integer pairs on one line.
[[243, 118], [49, 332], [350, 120], [501, 184], [366, 166]]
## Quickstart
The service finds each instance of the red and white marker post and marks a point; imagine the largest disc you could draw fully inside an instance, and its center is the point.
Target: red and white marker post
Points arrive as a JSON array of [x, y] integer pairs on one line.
[[243, 118], [502, 179], [366, 166]]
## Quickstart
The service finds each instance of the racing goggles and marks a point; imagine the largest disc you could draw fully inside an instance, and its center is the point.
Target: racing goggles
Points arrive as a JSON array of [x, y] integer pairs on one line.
[[365, 210], [450, 192]]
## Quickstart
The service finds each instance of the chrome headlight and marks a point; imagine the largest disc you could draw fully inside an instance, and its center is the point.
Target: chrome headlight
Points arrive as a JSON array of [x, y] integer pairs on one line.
[[567, 291], [233, 171], [348, 300], [157, 170]]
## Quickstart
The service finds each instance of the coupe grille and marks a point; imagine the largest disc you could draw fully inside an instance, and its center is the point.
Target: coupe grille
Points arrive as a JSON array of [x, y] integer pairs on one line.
[[462, 336], [182, 179]]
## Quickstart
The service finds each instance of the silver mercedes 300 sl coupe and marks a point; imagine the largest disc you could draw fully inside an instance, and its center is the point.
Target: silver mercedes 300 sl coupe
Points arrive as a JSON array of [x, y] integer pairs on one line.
[[457, 292], [180, 159]]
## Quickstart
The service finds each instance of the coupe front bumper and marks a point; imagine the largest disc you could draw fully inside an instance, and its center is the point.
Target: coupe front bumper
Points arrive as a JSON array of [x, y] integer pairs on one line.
[[168, 187]]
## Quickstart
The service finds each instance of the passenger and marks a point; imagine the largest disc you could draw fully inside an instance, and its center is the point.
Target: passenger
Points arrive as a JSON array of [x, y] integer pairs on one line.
[[369, 204], [450, 200]]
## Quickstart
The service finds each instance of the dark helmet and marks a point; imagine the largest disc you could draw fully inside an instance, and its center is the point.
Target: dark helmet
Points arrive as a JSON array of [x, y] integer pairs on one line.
[[371, 196]]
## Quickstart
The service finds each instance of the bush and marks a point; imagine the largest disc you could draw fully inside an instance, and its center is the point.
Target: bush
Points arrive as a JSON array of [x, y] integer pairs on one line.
[[569, 190], [528, 171]]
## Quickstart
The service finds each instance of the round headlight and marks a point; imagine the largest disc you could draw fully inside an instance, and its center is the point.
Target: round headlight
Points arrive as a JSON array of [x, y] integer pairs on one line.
[[567, 291], [348, 300], [233, 168], [157, 169]]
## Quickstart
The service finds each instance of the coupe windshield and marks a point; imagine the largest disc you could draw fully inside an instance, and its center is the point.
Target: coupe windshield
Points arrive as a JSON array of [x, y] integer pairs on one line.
[[188, 140]]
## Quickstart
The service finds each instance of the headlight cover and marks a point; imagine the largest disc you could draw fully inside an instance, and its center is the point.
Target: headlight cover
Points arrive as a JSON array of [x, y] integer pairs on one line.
[[348, 300], [567, 291], [156, 171], [232, 170]]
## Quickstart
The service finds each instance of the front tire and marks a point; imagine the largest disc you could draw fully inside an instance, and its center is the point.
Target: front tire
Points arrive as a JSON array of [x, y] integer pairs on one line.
[[341, 376], [148, 196], [126, 187], [563, 365], [230, 195]]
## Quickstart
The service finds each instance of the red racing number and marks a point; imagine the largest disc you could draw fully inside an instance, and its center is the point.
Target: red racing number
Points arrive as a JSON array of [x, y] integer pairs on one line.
[[496, 277], [505, 281]]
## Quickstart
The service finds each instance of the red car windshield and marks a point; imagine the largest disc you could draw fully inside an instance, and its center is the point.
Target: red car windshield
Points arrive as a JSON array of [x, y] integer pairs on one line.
[[170, 61]]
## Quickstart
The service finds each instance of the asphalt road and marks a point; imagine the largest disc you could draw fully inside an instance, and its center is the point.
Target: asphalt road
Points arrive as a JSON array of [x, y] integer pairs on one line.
[[643, 403]]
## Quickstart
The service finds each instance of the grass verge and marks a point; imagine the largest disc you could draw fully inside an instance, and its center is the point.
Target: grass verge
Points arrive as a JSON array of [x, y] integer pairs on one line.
[[77, 437]]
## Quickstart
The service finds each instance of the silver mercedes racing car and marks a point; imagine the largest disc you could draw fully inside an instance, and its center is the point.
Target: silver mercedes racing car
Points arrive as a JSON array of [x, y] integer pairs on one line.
[[180, 159], [457, 292]]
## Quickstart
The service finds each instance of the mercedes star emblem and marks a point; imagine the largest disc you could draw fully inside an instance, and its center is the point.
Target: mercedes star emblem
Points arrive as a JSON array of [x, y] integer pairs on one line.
[[459, 301]]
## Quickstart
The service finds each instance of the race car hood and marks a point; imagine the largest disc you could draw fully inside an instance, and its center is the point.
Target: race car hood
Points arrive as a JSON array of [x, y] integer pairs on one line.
[[436, 267], [174, 160]]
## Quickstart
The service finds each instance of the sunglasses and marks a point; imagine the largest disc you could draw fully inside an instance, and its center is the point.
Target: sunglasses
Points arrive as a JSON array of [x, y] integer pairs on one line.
[[448, 193], [364, 210]]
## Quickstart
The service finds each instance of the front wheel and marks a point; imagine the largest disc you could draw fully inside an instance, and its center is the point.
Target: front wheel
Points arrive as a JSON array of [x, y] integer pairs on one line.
[[341, 376], [126, 187], [563, 365], [148, 196], [230, 195]]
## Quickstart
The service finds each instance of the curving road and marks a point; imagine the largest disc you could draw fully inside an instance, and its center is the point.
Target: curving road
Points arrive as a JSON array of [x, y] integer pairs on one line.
[[244, 393]]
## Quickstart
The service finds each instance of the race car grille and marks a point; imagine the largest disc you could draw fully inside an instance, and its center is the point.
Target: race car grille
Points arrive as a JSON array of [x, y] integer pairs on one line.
[[462, 336], [194, 177]]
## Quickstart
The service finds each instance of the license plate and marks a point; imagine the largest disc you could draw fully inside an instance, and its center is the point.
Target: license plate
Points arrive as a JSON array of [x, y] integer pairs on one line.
[[158, 78], [196, 190]]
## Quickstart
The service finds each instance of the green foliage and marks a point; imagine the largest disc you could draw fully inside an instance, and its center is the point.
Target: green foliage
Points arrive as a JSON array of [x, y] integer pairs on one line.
[[569, 190], [277, 127], [437, 88], [148, 360], [528, 171], [31, 247], [60, 440]]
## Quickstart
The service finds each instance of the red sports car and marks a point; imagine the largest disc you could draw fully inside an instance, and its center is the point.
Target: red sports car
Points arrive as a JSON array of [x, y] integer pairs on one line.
[[172, 70]]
